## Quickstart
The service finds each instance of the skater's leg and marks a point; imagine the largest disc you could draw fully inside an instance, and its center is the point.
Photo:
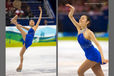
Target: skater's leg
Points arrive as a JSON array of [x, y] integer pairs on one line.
[[14, 21], [97, 70], [85, 66], [21, 58]]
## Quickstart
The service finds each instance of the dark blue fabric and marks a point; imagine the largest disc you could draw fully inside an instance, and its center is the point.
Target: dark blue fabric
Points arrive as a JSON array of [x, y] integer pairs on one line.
[[91, 52], [29, 38]]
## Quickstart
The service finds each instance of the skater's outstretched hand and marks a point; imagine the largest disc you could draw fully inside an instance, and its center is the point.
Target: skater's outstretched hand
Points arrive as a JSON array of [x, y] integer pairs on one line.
[[70, 6], [40, 8]]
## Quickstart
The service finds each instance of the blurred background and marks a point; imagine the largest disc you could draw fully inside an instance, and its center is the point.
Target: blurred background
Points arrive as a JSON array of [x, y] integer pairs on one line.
[[97, 10], [26, 10]]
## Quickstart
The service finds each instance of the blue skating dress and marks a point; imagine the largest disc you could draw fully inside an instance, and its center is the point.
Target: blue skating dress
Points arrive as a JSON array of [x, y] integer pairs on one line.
[[91, 52], [29, 37]]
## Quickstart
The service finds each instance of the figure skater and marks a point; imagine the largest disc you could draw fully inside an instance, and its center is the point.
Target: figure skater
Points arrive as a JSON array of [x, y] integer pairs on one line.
[[85, 36], [27, 37]]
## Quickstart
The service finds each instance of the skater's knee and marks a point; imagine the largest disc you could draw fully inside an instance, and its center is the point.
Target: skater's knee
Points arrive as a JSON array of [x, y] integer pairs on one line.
[[80, 72], [98, 73], [17, 26], [21, 55]]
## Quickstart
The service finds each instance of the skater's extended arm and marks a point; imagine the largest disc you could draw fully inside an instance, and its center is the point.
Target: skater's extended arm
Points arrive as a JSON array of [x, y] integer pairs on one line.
[[38, 22], [70, 15]]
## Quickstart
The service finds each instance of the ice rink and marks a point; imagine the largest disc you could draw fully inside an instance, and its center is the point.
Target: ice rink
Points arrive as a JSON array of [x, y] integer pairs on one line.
[[71, 56], [41, 61], [38, 61]]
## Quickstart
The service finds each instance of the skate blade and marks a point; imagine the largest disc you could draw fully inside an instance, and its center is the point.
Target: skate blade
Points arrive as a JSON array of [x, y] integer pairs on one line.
[[19, 70]]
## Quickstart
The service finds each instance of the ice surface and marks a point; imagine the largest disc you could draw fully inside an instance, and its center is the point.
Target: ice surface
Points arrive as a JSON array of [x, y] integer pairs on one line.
[[38, 61], [71, 56]]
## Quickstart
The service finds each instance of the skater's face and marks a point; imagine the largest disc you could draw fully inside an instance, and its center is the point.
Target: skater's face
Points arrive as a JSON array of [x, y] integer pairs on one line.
[[84, 20], [31, 23]]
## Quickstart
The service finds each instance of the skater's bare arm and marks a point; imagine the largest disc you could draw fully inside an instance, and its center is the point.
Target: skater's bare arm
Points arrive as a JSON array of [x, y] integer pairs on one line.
[[70, 15], [38, 22], [93, 38]]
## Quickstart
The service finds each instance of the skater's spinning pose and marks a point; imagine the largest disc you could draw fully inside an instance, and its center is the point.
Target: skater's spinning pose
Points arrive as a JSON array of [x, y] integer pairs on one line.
[[85, 36], [27, 37]]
